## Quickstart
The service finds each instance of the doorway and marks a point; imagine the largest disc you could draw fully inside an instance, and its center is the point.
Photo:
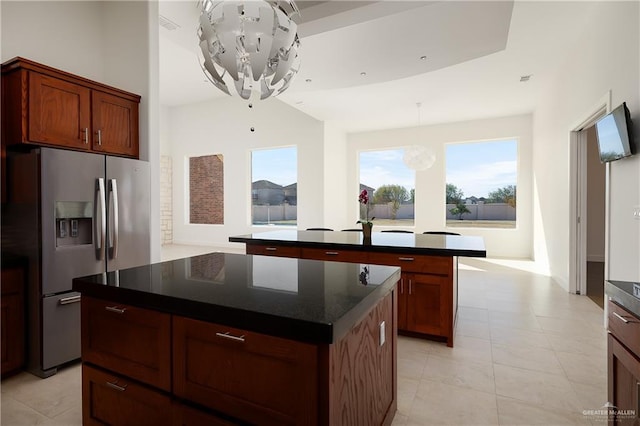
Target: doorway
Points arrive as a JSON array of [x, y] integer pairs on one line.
[[595, 218], [585, 190]]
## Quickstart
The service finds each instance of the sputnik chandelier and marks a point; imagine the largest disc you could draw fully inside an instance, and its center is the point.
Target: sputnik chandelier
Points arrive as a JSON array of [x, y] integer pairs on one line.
[[252, 45], [418, 157]]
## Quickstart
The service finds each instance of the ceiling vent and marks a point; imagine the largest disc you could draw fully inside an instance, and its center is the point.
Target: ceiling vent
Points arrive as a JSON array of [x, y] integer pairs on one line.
[[167, 23]]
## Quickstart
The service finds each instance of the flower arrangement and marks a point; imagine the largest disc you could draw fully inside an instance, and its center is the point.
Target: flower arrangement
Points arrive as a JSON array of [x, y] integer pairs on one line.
[[363, 199]]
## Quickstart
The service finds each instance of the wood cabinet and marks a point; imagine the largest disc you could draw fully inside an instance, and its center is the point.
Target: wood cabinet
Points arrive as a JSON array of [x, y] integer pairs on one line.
[[331, 255], [427, 291], [221, 375], [12, 321], [133, 341], [111, 399], [258, 378], [624, 365], [42, 106]]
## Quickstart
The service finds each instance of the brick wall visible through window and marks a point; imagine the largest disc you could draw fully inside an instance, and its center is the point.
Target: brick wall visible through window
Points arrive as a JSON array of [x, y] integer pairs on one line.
[[206, 189]]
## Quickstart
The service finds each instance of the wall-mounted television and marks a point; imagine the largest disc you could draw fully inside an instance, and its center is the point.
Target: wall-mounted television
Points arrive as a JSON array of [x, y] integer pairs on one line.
[[615, 135]]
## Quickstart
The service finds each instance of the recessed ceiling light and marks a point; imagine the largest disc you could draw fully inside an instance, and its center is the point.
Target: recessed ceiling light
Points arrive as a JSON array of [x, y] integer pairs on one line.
[[524, 78], [308, 80], [363, 73], [423, 58]]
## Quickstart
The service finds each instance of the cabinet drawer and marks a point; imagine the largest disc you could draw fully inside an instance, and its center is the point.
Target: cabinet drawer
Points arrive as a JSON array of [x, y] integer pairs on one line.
[[273, 250], [253, 377], [436, 265], [109, 399], [625, 326], [184, 415], [335, 255], [133, 341]]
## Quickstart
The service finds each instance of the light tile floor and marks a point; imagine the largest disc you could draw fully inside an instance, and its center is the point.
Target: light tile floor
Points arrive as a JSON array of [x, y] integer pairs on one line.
[[526, 353]]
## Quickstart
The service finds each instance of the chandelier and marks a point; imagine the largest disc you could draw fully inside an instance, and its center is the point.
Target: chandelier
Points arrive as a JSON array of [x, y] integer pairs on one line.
[[252, 45], [418, 157]]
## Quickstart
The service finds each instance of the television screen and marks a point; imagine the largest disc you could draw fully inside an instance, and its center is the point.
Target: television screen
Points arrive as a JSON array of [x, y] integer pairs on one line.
[[615, 138]]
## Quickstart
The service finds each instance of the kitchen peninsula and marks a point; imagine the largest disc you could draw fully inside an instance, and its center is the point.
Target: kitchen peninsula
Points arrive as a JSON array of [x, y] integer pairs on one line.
[[222, 338], [428, 290]]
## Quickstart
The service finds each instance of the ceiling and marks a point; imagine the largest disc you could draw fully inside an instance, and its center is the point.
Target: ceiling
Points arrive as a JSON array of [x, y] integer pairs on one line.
[[476, 53]]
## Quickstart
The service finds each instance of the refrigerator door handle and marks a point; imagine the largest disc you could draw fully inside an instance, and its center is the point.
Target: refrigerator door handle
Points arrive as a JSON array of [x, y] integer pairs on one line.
[[113, 237], [100, 227]]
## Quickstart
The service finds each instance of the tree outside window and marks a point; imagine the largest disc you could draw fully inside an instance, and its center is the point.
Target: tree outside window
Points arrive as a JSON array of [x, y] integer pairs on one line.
[[392, 185], [481, 184]]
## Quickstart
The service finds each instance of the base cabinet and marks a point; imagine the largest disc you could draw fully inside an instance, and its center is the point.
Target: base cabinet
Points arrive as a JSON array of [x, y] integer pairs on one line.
[[219, 374], [624, 366], [115, 400], [12, 321], [261, 379], [427, 292]]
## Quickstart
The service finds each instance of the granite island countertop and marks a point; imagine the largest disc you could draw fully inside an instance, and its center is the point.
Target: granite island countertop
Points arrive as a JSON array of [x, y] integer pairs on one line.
[[386, 242], [305, 300], [624, 293]]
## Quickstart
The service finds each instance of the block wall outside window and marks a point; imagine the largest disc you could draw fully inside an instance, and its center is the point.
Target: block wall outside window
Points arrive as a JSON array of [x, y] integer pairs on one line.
[[481, 189], [206, 190], [166, 200]]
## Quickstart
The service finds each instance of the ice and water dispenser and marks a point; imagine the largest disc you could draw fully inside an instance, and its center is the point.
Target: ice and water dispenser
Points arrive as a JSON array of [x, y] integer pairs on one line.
[[74, 223]]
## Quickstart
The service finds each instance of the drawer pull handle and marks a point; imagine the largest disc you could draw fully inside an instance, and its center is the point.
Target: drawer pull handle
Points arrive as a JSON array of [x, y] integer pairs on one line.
[[69, 300], [116, 386], [407, 259], [228, 335], [331, 253], [115, 309], [271, 248], [621, 318]]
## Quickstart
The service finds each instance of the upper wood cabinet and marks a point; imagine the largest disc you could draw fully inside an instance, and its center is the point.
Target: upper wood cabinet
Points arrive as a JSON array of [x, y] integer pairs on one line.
[[48, 107]]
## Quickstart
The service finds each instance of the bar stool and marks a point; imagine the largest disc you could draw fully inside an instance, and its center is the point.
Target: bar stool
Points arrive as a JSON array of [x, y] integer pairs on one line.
[[440, 233], [397, 231], [319, 229]]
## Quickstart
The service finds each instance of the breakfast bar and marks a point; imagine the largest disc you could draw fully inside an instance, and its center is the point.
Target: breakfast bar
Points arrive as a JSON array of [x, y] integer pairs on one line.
[[428, 288], [223, 339]]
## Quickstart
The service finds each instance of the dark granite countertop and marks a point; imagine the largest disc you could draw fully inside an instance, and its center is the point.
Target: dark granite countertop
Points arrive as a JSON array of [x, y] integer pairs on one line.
[[387, 242], [624, 293], [11, 260], [305, 300]]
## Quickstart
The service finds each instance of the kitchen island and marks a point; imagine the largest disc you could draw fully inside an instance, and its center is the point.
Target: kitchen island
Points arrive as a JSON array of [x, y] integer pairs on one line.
[[224, 339], [428, 293]]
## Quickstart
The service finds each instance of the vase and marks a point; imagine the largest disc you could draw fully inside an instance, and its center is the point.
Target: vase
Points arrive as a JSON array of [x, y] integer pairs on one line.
[[366, 231]]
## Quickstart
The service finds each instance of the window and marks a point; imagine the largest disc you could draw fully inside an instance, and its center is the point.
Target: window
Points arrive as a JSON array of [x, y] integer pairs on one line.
[[206, 189], [274, 187], [481, 184], [391, 187]]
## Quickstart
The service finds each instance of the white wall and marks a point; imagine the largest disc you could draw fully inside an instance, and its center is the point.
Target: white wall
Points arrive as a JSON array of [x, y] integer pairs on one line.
[[335, 179], [115, 43], [605, 58], [223, 127], [430, 194]]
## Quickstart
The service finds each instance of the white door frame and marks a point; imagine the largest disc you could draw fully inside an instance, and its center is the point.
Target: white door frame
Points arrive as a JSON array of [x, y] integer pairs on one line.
[[578, 199]]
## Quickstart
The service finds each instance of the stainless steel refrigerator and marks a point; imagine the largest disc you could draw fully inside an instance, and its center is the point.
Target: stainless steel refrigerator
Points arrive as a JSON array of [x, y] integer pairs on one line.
[[72, 214]]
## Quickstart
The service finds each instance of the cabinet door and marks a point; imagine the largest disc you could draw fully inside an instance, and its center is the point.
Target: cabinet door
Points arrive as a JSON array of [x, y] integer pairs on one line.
[[402, 293], [12, 320], [109, 399], [253, 377], [59, 112], [427, 304], [624, 383], [133, 341], [115, 124]]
